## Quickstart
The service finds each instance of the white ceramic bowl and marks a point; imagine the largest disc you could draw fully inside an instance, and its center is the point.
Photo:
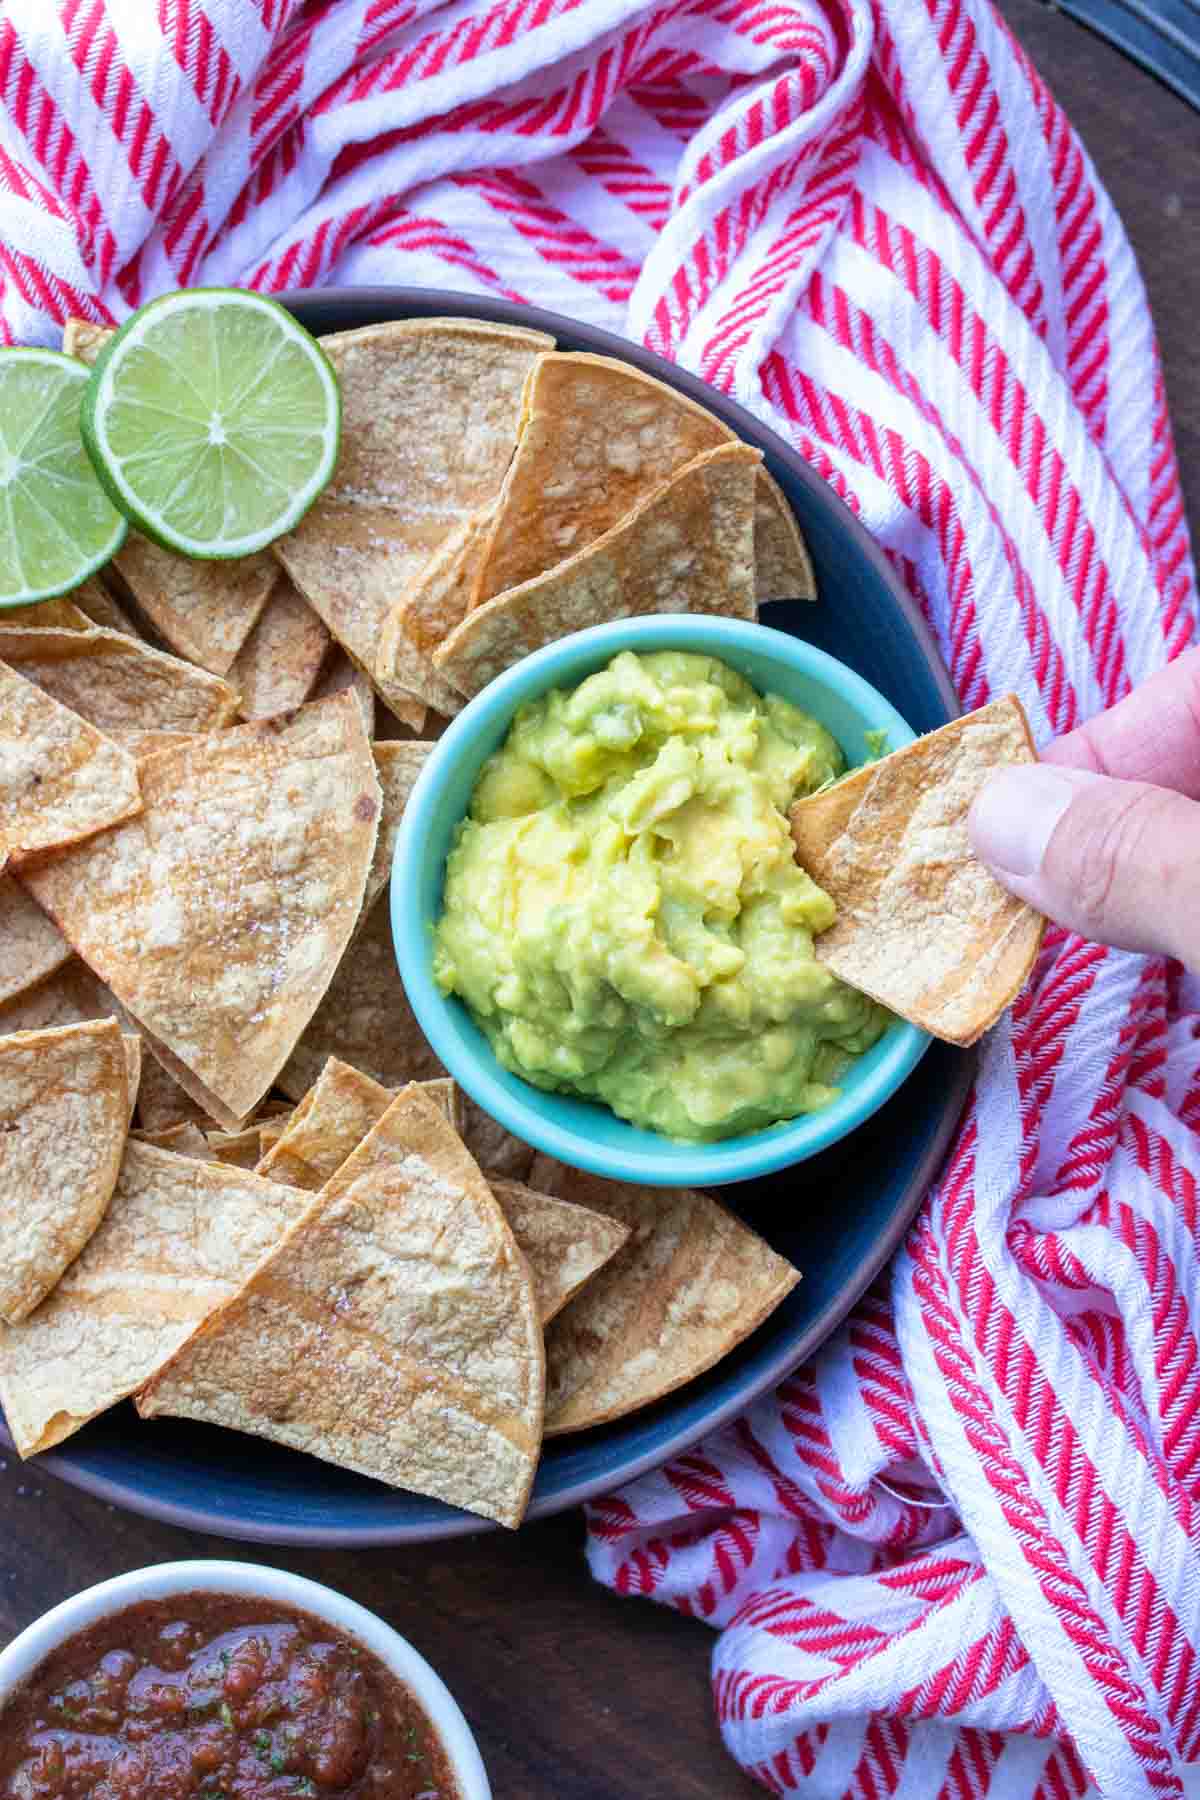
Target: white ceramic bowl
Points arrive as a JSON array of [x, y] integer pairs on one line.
[[24, 1655]]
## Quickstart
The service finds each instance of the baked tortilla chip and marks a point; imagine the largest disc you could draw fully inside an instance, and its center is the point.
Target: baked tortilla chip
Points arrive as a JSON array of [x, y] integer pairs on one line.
[[60, 780], [436, 600], [204, 609], [118, 684], [430, 415], [397, 765], [599, 438], [31, 945], [179, 1238], [565, 1245], [241, 1149], [50, 615], [64, 1105], [923, 926], [496, 1150], [394, 1331], [365, 1019], [219, 916], [277, 667], [185, 1140], [99, 608], [340, 676], [162, 1104], [72, 993], [690, 1283], [782, 566], [688, 548], [336, 1114]]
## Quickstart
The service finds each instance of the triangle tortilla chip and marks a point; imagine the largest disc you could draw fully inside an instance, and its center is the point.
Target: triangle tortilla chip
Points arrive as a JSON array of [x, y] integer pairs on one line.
[[185, 1140], [277, 667], [31, 945], [341, 676], [118, 684], [923, 926], [365, 1019], [64, 1107], [430, 414], [690, 1283], [394, 1330], [99, 608], [599, 438], [241, 1149], [564, 1244], [60, 780], [219, 917], [180, 1237], [397, 765], [51, 615], [437, 599], [72, 993], [689, 547], [162, 1104], [782, 566]]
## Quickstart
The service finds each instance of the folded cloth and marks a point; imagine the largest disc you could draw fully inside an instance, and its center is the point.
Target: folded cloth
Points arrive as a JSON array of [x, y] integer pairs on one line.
[[959, 1553]]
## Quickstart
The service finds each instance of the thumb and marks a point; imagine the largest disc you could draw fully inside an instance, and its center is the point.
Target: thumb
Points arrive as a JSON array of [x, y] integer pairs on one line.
[[1116, 861]]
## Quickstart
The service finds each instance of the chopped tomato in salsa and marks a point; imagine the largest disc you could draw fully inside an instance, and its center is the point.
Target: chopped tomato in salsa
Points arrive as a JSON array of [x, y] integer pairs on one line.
[[213, 1697]]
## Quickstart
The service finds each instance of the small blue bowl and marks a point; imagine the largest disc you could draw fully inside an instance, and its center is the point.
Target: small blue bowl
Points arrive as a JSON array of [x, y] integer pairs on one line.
[[581, 1132]]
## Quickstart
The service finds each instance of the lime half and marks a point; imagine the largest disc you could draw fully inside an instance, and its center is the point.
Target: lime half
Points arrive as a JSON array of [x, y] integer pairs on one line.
[[212, 419], [57, 524]]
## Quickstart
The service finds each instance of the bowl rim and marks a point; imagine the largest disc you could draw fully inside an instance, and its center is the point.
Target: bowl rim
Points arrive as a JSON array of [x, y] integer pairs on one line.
[[21, 1659], [343, 308], [668, 1163]]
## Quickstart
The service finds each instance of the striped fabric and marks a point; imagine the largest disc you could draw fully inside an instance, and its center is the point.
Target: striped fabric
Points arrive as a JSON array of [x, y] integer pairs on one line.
[[958, 1555]]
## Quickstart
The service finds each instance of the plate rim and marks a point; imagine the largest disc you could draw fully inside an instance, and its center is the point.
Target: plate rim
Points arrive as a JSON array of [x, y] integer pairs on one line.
[[409, 302]]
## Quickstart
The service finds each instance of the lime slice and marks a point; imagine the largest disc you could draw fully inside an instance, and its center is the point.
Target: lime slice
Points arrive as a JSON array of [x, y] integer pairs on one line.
[[56, 522], [212, 419]]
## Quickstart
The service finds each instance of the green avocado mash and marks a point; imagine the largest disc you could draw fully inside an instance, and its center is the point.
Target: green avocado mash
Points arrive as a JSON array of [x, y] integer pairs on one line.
[[623, 914]]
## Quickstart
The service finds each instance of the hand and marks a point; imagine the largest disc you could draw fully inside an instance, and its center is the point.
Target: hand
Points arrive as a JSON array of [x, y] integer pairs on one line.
[[1103, 834]]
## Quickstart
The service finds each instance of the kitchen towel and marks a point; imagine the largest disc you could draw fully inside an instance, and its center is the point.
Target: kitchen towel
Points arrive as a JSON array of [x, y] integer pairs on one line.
[[959, 1554]]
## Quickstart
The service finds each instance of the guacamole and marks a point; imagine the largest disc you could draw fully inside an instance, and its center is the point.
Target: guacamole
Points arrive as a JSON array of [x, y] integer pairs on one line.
[[623, 914]]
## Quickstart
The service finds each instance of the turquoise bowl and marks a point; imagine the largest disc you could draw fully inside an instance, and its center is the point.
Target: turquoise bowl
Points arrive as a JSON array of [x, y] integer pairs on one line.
[[581, 1132]]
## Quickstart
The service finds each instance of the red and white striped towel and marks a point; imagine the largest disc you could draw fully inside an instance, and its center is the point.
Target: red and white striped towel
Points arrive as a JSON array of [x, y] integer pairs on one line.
[[870, 223]]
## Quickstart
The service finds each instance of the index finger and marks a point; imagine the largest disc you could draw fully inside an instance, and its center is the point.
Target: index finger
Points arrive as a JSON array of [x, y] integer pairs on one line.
[[1152, 735]]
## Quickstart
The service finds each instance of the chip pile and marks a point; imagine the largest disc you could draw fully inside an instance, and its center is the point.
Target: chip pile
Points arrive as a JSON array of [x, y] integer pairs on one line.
[[238, 1185]]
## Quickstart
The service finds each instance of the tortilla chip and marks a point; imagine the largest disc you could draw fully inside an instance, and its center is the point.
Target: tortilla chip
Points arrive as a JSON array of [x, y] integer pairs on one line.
[[64, 1103], [185, 1140], [118, 684], [132, 1046], [447, 1096], [268, 1137], [394, 1330], [31, 945], [336, 1114], [564, 1245], [782, 566], [365, 1019], [60, 780], [72, 993], [241, 1149], [397, 765], [277, 667], [204, 609], [50, 615], [496, 1150], [98, 607], [340, 676], [688, 548], [162, 1103], [179, 1238], [435, 601], [430, 413], [923, 926], [219, 917], [141, 745], [691, 1282]]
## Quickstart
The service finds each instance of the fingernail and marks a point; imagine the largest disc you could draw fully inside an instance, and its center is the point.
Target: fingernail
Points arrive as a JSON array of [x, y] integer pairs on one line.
[[1015, 814]]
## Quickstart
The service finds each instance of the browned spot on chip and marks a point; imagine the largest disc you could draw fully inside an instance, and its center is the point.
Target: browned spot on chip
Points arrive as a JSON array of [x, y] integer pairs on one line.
[[31, 945], [691, 1282], [60, 780], [430, 410], [689, 547], [118, 684], [922, 926], [180, 1237], [219, 918], [64, 1106], [394, 1330]]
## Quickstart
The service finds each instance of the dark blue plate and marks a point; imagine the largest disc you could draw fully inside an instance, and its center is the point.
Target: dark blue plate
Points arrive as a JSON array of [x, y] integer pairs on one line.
[[838, 1216]]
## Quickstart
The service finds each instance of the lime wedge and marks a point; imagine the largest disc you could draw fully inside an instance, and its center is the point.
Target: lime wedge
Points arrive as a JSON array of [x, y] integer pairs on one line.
[[56, 522], [212, 419]]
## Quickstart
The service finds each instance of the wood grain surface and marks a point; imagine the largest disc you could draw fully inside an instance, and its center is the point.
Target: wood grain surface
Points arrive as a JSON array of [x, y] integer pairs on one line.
[[572, 1692]]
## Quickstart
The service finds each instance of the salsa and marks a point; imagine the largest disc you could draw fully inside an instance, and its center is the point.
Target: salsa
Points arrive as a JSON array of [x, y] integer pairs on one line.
[[216, 1697]]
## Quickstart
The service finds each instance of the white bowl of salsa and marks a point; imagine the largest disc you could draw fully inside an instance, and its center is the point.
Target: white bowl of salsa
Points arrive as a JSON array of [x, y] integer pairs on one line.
[[259, 1684]]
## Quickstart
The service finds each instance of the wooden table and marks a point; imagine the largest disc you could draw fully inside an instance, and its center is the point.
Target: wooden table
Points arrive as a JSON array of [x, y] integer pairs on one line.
[[572, 1691]]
